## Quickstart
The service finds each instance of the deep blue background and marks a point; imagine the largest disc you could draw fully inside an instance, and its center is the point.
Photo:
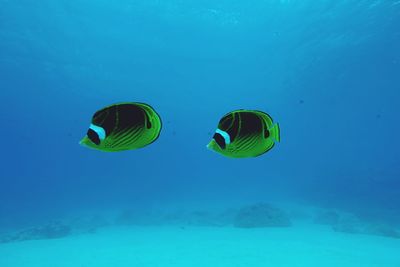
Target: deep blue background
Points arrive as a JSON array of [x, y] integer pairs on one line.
[[327, 71]]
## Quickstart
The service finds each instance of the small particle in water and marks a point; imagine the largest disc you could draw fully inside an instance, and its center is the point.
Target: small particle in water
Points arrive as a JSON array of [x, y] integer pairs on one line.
[[301, 101]]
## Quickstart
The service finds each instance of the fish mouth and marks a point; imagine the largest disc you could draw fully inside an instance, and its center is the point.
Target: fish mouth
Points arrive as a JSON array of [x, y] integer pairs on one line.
[[210, 146], [83, 142]]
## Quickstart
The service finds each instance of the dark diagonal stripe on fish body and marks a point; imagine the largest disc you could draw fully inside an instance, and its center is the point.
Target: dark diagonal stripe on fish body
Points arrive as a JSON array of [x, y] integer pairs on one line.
[[248, 142], [132, 137], [252, 142], [234, 128], [226, 122], [121, 137], [100, 116], [240, 144], [147, 119], [244, 138], [267, 118], [120, 133], [128, 138]]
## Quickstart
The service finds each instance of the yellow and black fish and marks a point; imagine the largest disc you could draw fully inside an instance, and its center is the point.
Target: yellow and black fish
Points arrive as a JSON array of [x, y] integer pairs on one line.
[[245, 133], [123, 126]]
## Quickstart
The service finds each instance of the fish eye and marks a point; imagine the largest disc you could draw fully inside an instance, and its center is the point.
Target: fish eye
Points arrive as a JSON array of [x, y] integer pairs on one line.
[[220, 140], [93, 136]]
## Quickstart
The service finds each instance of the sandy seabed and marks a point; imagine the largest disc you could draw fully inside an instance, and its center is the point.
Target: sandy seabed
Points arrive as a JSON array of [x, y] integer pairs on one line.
[[164, 246]]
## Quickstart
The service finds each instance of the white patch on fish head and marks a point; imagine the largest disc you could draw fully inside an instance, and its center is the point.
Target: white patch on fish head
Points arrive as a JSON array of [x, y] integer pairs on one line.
[[225, 135], [99, 130]]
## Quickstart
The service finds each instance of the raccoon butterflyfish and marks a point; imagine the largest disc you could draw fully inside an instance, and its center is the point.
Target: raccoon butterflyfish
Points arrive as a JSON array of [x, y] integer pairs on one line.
[[123, 126], [245, 133]]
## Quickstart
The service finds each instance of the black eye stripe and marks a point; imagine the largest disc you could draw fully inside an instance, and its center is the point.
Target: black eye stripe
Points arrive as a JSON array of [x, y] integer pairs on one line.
[[93, 136], [219, 139]]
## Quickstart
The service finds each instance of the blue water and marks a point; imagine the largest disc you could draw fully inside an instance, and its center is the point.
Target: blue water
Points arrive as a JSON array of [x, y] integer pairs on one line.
[[327, 71]]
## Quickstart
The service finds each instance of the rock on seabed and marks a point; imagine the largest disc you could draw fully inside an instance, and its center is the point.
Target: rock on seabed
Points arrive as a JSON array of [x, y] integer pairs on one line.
[[261, 215]]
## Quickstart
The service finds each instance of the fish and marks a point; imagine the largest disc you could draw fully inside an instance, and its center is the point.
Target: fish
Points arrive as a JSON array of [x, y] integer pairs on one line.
[[245, 133], [123, 126]]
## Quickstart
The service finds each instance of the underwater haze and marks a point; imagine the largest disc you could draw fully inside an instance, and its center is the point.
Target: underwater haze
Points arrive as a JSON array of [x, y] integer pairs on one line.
[[328, 71]]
